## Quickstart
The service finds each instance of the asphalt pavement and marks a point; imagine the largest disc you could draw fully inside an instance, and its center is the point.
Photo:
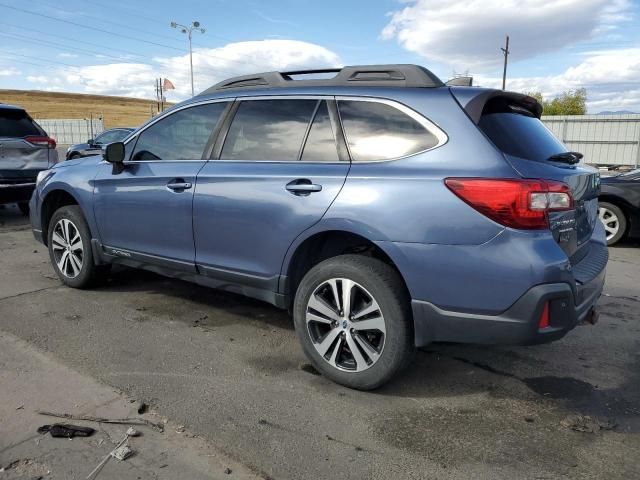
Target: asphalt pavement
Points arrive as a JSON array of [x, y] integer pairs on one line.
[[230, 369]]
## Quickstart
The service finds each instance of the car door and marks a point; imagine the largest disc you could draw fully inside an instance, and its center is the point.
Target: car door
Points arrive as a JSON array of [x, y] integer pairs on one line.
[[145, 212], [281, 164]]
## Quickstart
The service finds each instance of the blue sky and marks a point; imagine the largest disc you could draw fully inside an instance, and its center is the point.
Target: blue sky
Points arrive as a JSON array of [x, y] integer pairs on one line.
[[555, 45]]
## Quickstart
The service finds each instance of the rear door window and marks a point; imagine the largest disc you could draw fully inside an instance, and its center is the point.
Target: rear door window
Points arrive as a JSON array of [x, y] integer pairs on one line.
[[182, 135], [378, 131], [515, 131], [17, 124], [321, 142], [268, 130]]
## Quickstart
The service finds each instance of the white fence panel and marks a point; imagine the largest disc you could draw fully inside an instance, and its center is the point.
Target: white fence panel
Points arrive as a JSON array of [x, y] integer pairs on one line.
[[603, 139], [70, 131]]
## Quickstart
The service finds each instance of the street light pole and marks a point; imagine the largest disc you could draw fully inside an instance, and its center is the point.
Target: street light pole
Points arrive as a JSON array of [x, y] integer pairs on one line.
[[195, 25]]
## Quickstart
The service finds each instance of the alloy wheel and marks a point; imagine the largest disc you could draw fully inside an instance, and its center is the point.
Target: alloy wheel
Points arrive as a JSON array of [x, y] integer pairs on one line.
[[68, 249], [345, 324], [610, 221]]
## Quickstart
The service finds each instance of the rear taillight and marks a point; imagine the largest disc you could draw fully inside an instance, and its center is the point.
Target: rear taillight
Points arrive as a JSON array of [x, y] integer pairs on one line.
[[522, 204], [41, 141]]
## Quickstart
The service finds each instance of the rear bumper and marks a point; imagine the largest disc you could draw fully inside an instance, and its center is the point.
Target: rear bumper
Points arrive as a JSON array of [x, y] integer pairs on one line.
[[16, 192], [516, 326]]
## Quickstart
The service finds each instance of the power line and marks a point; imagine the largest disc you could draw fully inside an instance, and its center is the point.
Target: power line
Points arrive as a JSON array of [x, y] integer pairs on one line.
[[117, 24], [66, 37], [37, 58], [121, 35], [81, 25], [129, 9], [24, 38]]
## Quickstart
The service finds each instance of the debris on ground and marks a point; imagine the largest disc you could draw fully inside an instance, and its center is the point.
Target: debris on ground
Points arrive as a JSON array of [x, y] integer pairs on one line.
[[227, 471], [66, 430], [120, 421], [142, 408], [587, 423], [122, 453]]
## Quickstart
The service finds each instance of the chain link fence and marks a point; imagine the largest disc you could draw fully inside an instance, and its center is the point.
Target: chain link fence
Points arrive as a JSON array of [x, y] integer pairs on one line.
[[605, 140]]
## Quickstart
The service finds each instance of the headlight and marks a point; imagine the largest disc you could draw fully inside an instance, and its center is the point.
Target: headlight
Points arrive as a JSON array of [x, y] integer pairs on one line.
[[41, 176]]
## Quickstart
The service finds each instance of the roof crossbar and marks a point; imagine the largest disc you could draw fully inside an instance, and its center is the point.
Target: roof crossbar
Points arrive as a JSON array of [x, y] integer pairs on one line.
[[360, 75]]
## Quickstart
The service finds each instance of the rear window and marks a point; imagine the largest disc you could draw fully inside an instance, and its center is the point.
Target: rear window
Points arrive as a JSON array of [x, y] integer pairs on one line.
[[517, 132], [16, 123]]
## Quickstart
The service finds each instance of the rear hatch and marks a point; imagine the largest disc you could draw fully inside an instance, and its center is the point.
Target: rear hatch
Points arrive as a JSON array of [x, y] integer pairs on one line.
[[25, 148], [512, 123]]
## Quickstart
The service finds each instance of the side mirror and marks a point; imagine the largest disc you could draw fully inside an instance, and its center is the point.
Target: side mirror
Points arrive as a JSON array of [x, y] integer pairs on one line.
[[90, 141], [114, 154]]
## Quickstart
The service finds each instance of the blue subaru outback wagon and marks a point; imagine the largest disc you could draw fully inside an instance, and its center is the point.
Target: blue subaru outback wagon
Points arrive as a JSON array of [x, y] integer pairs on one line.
[[383, 208]]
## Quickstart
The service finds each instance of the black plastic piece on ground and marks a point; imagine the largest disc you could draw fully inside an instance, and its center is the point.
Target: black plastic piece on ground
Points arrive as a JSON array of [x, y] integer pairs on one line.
[[65, 430]]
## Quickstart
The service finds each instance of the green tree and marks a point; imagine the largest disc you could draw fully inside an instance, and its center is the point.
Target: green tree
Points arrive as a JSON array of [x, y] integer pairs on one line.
[[571, 102]]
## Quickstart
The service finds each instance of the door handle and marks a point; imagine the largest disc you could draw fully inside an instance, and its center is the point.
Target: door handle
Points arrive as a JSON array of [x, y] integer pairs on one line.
[[303, 186], [178, 185]]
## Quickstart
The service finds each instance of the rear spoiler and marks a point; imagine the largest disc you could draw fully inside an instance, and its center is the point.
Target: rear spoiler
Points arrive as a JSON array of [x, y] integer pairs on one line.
[[473, 100]]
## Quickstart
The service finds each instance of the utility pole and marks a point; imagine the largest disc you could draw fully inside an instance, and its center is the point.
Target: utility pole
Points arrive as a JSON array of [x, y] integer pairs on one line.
[[195, 25], [505, 52]]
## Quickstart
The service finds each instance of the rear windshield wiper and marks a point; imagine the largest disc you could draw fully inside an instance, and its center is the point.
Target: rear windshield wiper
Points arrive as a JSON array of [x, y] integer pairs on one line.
[[566, 157]]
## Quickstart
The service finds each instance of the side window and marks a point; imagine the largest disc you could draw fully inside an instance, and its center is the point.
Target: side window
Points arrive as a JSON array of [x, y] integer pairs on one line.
[[182, 135], [268, 130], [377, 131], [321, 143]]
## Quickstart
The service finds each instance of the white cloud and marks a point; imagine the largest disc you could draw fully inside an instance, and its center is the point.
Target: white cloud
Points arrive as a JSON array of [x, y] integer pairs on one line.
[[467, 34], [8, 71], [67, 55], [210, 66], [611, 77]]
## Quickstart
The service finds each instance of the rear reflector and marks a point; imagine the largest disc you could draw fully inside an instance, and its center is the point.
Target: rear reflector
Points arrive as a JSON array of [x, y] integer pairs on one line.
[[515, 203], [544, 318], [41, 141]]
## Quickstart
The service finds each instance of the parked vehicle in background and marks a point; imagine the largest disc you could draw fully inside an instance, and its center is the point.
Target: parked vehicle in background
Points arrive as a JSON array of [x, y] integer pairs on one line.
[[25, 150], [94, 146], [385, 209], [619, 206]]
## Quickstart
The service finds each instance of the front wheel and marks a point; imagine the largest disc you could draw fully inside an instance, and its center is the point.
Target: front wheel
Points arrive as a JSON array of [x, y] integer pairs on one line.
[[352, 316], [614, 221], [69, 244]]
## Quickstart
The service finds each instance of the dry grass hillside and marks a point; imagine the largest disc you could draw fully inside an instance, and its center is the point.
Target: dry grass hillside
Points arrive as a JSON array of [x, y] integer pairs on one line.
[[116, 111]]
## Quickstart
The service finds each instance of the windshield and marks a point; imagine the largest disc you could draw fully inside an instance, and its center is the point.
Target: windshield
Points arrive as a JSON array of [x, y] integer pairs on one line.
[[520, 135]]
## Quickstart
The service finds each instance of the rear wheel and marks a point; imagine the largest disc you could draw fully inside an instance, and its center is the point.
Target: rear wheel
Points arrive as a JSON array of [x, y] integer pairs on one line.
[[24, 208], [70, 251], [352, 316], [614, 221]]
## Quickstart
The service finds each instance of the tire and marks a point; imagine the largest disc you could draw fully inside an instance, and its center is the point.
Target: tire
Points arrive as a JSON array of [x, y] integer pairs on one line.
[[78, 270], [24, 208], [614, 221], [73, 156], [376, 287]]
